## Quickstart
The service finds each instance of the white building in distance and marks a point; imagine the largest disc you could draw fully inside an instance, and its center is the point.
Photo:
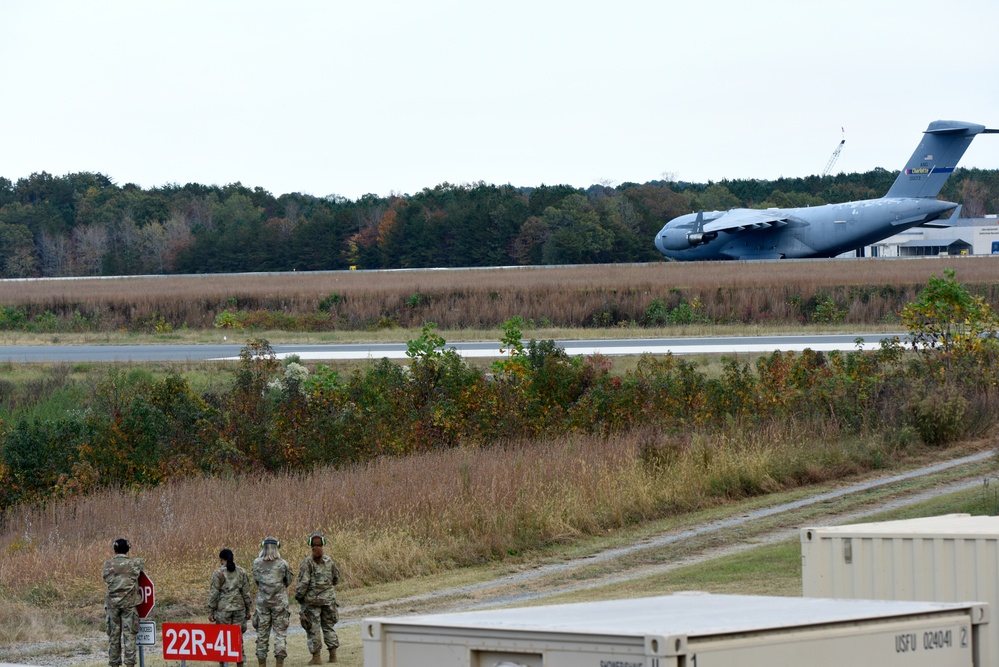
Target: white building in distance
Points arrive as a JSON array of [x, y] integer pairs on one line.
[[964, 236]]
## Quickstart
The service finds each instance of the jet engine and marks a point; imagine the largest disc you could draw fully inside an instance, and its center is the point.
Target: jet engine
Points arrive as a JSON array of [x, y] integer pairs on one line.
[[682, 239]]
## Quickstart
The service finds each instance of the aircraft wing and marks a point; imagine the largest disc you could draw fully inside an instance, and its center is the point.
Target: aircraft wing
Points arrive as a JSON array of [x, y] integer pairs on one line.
[[744, 219]]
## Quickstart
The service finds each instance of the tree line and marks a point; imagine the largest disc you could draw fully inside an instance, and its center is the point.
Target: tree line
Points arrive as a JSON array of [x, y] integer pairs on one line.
[[83, 224]]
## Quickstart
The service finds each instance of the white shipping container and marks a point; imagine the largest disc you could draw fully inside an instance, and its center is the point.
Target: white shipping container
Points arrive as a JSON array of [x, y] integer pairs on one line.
[[685, 630], [947, 558]]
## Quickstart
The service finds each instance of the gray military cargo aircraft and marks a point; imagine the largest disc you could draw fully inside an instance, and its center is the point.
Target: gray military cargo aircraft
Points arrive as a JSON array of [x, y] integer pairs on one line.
[[830, 230]]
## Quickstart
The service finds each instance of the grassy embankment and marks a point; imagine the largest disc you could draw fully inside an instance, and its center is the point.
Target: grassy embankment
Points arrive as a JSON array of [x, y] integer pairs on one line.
[[782, 295]]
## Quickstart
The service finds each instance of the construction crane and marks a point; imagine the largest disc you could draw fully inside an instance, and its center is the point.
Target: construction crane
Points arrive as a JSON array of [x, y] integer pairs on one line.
[[835, 155]]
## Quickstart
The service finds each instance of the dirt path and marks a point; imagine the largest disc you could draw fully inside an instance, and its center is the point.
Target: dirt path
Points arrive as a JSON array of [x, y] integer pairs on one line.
[[678, 549]]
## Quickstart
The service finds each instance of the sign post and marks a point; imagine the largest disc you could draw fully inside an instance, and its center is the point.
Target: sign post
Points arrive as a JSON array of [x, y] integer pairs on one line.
[[207, 642], [147, 630]]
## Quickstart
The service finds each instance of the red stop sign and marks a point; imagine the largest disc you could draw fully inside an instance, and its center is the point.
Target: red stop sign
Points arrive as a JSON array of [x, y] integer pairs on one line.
[[147, 595]]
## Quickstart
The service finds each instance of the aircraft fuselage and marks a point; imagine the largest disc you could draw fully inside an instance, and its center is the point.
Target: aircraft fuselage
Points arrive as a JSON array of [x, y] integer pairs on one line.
[[817, 231]]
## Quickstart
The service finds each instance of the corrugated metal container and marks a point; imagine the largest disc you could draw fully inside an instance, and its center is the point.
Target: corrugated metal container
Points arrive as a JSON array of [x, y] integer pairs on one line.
[[947, 558], [685, 630]]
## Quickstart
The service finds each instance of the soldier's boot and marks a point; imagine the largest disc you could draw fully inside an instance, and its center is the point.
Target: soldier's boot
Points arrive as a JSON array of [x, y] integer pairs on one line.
[[239, 664], [262, 662], [332, 655], [316, 658], [278, 662]]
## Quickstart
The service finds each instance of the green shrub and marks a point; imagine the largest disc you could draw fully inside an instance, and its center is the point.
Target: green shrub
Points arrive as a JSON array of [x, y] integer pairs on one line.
[[37, 452], [823, 310], [939, 415], [327, 303], [658, 313], [12, 317], [47, 322], [227, 320]]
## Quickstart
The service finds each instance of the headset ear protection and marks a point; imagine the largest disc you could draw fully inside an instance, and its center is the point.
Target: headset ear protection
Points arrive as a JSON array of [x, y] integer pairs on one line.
[[315, 535], [271, 540]]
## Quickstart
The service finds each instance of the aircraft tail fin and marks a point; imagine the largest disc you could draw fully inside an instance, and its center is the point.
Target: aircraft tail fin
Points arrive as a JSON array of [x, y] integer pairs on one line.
[[936, 157]]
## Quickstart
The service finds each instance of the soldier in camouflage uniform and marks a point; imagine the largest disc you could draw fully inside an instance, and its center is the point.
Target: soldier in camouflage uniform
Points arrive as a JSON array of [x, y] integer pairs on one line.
[[121, 574], [273, 577], [229, 594], [316, 579]]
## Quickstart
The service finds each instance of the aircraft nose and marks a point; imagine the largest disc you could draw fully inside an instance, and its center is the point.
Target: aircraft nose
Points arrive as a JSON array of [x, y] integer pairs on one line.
[[659, 241]]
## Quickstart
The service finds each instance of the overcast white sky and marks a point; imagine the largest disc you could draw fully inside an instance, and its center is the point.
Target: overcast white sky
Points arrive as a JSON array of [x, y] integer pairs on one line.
[[381, 96]]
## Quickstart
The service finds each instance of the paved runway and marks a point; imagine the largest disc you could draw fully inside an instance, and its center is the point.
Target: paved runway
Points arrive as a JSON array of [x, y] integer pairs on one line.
[[609, 347]]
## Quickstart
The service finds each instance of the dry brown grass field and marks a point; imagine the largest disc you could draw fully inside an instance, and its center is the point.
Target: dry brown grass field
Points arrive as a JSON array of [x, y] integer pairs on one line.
[[869, 290], [394, 519]]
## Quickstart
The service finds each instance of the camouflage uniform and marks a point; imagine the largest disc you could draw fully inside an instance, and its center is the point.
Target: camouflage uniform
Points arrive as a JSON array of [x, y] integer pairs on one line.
[[121, 574], [315, 594], [229, 597], [273, 577]]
